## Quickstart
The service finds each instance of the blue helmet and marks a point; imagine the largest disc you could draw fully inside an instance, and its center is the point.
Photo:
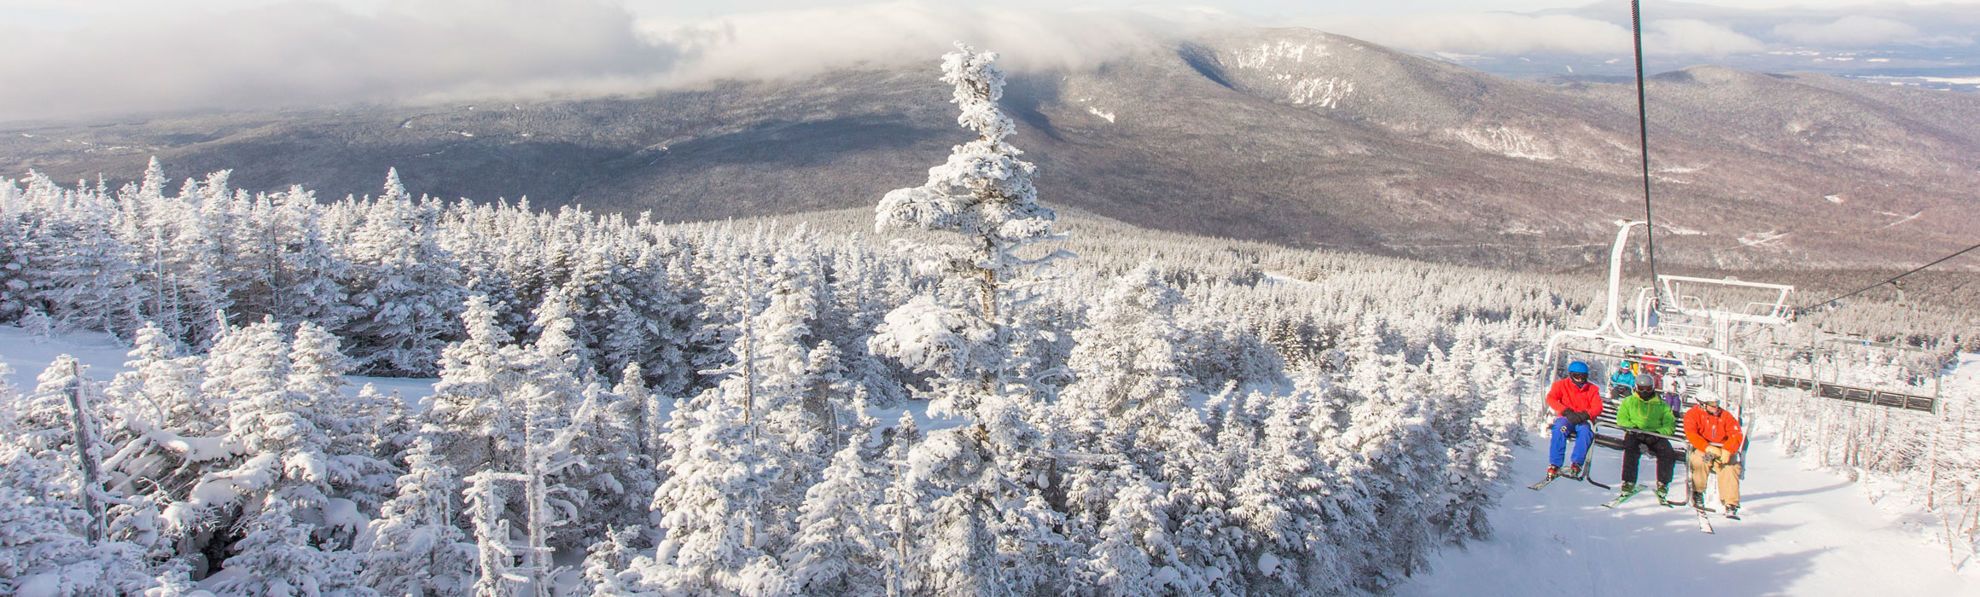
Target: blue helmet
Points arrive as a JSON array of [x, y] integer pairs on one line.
[[1578, 367]]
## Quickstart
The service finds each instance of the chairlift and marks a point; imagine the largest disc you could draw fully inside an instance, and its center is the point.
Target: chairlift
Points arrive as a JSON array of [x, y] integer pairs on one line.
[[1681, 341]]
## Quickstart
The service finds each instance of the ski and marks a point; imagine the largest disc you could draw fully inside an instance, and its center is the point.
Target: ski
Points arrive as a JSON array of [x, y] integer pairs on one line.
[[1704, 524], [1622, 498], [1671, 504], [1542, 483]]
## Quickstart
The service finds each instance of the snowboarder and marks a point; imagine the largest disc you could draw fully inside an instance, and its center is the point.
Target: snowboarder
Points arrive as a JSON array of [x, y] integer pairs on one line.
[[1715, 439], [1640, 416], [1576, 403]]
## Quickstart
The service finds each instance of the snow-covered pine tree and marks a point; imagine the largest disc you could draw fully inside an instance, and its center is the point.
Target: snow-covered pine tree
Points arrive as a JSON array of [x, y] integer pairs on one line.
[[43, 549], [643, 405], [991, 529], [841, 547], [984, 198], [472, 425], [404, 286], [290, 516], [1277, 503], [711, 505], [900, 507], [1127, 396], [88, 281], [413, 547], [1390, 431], [357, 429], [52, 537], [276, 557], [62, 422], [606, 561], [1137, 553], [305, 278]]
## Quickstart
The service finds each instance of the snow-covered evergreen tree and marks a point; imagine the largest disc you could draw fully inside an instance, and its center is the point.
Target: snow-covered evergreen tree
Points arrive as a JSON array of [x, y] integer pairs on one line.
[[841, 546], [276, 557], [472, 425], [983, 196], [711, 506], [405, 286], [413, 547]]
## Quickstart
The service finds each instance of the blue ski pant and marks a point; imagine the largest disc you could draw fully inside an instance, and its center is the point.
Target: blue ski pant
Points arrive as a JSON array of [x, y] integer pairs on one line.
[[1584, 436]]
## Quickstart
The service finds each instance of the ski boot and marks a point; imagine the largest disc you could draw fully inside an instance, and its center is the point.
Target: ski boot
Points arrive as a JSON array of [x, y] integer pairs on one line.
[[1663, 493], [1553, 471], [1628, 488], [1573, 472], [1732, 511]]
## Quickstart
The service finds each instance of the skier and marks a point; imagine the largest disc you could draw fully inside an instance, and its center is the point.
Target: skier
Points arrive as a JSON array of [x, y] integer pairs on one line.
[[1575, 402], [1621, 382], [1641, 415], [1715, 439], [1651, 367]]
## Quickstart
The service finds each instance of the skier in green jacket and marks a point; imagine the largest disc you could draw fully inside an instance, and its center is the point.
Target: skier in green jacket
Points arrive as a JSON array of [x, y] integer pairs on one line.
[[1641, 415]]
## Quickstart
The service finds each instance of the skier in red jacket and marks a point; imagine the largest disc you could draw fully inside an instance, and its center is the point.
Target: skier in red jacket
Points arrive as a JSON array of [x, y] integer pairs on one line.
[[1576, 404]]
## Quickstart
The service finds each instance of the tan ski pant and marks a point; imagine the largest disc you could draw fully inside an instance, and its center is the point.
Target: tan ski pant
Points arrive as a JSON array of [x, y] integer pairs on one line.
[[1727, 470]]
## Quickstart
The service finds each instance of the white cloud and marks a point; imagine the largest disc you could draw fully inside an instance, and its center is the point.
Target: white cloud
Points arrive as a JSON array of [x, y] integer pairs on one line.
[[1852, 31], [792, 42], [1858, 31], [66, 58], [1695, 38], [1511, 34], [259, 53], [315, 53]]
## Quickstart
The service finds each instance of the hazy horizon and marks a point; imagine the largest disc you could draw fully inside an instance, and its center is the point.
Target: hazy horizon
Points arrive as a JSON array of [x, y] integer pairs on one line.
[[105, 59]]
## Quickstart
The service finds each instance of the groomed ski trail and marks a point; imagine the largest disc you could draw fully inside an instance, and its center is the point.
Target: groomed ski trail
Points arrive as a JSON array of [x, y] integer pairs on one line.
[[1806, 532]]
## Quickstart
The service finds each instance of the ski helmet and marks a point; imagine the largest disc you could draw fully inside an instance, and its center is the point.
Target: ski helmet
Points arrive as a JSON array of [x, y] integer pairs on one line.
[[1577, 367]]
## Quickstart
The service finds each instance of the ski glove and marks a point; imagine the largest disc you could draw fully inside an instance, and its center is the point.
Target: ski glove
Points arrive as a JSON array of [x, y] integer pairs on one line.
[[1575, 418]]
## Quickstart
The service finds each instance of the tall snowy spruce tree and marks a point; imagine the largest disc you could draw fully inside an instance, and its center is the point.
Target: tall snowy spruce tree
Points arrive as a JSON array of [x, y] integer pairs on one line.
[[991, 529]]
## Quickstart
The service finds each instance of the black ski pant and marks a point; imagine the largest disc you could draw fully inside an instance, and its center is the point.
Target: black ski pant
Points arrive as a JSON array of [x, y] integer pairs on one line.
[[1633, 446]]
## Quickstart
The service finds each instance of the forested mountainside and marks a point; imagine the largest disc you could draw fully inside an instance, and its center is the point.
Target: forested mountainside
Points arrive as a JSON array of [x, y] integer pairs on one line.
[[1288, 136]]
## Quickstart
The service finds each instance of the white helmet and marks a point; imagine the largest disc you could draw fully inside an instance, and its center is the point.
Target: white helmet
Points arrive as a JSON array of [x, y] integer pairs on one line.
[[1705, 396]]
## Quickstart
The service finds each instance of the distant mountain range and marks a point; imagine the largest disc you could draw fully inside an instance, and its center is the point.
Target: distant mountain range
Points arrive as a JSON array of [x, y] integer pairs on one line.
[[1284, 135]]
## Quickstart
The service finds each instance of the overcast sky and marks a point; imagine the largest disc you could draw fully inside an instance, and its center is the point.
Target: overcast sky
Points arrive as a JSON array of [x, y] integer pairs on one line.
[[68, 58]]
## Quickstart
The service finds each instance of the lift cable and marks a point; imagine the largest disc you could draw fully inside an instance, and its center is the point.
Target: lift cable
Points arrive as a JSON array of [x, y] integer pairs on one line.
[[1643, 128], [1892, 280]]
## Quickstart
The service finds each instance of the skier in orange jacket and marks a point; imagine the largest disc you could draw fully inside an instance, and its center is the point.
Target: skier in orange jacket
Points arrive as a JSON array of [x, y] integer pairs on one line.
[[1715, 439]]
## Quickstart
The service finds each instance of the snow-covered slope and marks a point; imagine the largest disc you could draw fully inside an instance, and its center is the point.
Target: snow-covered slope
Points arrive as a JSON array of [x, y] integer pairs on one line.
[[103, 356], [1806, 532]]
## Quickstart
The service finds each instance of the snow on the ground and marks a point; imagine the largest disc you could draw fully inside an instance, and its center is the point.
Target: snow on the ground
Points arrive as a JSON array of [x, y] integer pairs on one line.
[[103, 357], [1806, 532], [28, 353]]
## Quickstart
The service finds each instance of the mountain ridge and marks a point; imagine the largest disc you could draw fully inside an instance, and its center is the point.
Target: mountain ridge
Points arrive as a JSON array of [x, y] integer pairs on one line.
[[1283, 135]]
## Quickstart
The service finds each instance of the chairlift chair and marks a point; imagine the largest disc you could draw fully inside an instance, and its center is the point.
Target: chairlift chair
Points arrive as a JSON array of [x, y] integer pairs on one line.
[[1696, 341]]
